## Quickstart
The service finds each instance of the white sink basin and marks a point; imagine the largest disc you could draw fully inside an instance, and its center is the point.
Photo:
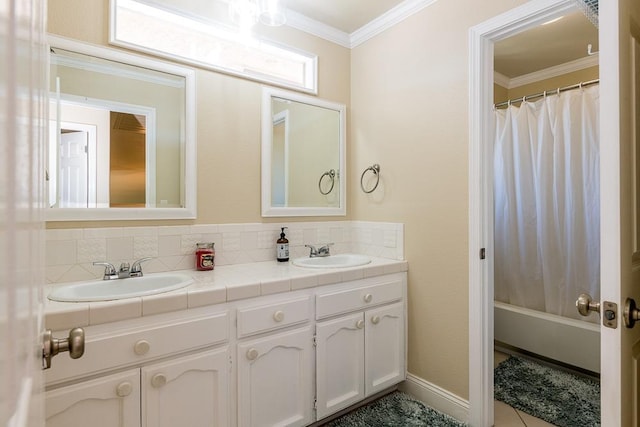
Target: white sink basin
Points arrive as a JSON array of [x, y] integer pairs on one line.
[[333, 261], [106, 290]]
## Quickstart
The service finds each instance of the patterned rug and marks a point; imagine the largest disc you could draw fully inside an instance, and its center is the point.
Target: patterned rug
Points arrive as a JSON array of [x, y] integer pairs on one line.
[[394, 410], [558, 397]]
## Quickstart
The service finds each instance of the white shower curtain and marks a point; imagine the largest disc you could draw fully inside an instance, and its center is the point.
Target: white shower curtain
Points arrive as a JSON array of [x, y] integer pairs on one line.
[[546, 194]]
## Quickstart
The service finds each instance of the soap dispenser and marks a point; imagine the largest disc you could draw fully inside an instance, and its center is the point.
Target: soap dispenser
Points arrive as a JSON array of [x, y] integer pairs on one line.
[[282, 247]]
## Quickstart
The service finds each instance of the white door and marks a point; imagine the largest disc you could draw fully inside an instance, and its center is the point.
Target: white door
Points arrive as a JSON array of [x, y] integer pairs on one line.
[[620, 352], [110, 401], [275, 386], [74, 169], [339, 363], [23, 87], [187, 391]]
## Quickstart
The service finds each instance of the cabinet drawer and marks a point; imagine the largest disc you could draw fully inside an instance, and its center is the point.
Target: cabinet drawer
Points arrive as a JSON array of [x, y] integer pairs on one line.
[[273, 315], [126, 346], [343, 301]]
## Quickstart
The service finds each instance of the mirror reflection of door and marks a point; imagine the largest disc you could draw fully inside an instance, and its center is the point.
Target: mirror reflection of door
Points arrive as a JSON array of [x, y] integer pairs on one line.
[[120, 154], [127, 166], [280, 160], [72, 171]]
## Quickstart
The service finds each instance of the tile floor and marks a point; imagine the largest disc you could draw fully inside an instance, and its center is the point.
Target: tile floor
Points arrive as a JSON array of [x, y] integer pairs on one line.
[[506, 416]]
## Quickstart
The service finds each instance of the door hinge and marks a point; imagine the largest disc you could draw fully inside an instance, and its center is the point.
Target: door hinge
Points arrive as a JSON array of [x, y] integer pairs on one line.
[[315, 403], [230, 364], [482, 253], [315, 342]]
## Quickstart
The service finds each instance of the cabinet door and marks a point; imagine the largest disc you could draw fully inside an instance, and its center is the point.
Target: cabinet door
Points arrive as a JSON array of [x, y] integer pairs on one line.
[[275, 385], [110, 401], [187, 391], [339, 363], [385, 347]]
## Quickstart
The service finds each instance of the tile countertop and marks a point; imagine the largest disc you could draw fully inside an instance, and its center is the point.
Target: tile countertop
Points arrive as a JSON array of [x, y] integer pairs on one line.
[[225, 283]]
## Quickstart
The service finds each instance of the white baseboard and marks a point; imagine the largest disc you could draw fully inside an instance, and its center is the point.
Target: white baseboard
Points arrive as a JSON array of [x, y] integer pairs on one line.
[[436, 397]]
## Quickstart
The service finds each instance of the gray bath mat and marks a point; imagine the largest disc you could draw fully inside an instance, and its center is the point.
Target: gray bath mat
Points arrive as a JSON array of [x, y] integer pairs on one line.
[[558, 397], [394, 410]]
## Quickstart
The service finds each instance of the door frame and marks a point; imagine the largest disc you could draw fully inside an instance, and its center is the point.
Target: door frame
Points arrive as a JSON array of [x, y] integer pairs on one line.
[[481, 76]]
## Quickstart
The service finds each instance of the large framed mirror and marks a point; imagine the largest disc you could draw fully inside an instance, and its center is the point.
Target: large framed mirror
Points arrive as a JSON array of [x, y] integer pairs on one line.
[[122, 143], [303, 155]]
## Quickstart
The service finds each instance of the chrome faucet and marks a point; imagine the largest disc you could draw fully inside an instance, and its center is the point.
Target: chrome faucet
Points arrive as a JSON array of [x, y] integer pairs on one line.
[[322, 251], [125, 271], [136, 267], [109, 270]]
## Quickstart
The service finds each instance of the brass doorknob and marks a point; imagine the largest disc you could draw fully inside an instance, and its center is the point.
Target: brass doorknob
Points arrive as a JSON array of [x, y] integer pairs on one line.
[[585, 305], [631, 313], [51, 346]]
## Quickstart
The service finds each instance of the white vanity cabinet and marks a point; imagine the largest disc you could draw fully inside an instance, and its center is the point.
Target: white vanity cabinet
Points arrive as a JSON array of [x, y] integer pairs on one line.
[[362, 352], [179, 374], [189, 391], [255, 362], [275, 370], [109, 401]]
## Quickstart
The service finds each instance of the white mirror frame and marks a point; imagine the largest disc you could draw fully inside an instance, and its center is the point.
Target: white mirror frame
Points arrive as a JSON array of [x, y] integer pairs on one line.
[[267, 142], [189, 163]]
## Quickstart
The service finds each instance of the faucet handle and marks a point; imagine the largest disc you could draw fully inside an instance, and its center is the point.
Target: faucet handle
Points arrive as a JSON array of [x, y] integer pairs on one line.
[[136, 267], [313, 251], [324, 250], [109, 270]]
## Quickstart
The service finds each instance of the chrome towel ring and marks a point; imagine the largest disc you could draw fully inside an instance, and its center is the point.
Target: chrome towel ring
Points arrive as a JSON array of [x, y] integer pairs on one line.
[[376, 171], [332, 176]]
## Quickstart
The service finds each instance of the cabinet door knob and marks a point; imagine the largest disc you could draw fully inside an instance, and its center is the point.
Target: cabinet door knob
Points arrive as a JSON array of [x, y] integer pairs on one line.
[[360, 324], [141, 347], [375, 320], [252, 354], [368, 298], [278, 316], [124, 389], [158, 380]]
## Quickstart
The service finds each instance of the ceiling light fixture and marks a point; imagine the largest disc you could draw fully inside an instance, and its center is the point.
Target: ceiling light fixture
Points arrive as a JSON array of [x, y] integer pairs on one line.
[[246, 13], [272, 12]]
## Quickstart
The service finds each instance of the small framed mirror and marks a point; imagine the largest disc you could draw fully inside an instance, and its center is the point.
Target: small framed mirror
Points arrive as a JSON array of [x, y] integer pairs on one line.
[[121, 136], [303, 155]]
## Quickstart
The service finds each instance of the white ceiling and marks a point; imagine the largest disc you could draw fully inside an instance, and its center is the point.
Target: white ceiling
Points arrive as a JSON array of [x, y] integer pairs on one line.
[[546, 46], [343, 15]]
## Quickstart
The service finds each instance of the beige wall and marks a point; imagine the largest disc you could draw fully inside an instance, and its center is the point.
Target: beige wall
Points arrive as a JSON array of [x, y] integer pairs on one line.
[[409, 114], [228, 113], [500, 93]]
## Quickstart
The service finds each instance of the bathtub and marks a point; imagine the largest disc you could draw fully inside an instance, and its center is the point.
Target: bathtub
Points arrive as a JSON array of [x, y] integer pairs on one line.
[[555, 337]]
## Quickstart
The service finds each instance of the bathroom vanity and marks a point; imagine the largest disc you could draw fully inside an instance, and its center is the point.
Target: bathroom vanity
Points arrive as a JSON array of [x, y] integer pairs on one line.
[[250, 345]]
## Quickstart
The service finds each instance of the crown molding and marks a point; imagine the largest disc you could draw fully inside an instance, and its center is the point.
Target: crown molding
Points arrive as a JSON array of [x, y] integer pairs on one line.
[[555, 71], [303, 23], [501, 80], [388, 20], [385, 21]]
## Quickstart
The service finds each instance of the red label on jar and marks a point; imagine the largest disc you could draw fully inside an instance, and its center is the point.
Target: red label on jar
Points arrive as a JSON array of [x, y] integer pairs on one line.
[[204, 260]]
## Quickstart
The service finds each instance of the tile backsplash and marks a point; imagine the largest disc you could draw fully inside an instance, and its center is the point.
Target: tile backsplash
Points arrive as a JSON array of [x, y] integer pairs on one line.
[[70, 253]]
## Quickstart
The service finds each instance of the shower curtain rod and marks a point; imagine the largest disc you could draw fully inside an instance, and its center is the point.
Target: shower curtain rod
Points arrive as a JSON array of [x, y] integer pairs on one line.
[[546, 92]]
